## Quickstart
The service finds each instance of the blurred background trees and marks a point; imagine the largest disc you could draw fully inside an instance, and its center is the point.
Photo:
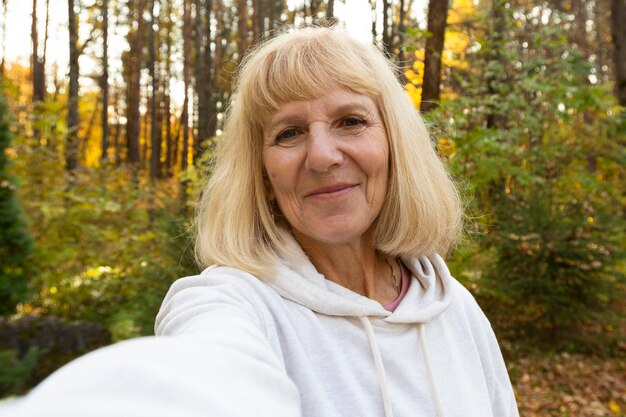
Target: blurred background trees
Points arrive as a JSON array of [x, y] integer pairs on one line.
[[106, 153]]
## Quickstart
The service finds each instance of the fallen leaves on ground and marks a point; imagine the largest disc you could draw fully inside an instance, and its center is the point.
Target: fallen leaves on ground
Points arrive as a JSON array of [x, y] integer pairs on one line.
[[567, 385]]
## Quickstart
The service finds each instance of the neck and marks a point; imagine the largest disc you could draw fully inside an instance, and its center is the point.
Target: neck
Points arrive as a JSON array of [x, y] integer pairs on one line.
[[357, 266]]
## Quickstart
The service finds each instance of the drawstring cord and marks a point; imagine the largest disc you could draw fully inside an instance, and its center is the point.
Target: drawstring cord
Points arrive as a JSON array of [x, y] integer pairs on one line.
[[429, 369], [382, 376], [380, 369]]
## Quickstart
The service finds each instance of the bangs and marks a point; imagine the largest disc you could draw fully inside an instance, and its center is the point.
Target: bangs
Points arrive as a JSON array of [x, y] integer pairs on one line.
[[307, 68]]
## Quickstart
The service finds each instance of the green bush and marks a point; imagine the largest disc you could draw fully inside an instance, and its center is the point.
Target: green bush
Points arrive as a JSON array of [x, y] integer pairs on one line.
[[15, 372], [540, 146]]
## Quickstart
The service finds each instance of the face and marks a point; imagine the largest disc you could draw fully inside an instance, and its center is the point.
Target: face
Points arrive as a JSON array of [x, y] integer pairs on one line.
[[327, 164]]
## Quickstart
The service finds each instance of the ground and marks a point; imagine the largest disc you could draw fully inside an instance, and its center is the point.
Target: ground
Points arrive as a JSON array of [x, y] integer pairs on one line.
[[567, 385]]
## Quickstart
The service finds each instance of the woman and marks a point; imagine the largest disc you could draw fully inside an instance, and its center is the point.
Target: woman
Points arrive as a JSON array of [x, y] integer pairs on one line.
[[324, 293], [323, 220]]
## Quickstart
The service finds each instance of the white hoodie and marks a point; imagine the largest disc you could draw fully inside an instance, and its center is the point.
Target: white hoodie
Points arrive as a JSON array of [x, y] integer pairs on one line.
[[237, 344]]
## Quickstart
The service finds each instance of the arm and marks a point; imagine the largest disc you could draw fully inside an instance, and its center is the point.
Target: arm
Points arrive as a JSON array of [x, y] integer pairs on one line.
[[214, 362], [503, 401]]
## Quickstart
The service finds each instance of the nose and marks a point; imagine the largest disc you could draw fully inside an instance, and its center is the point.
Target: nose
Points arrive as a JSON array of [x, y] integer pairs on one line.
[[322, 149]]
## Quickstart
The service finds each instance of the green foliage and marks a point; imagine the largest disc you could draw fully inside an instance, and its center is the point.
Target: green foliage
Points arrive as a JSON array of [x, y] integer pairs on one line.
[[108, 245], [130, 253], [14, 372], [541, 146], [15, 241]]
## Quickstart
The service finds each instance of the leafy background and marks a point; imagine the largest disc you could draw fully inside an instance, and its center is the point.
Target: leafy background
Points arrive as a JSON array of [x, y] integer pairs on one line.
[[527, 122]]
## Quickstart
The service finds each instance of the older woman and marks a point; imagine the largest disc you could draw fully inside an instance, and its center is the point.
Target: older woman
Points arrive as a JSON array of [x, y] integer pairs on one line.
[[322, 222], [321, 227]]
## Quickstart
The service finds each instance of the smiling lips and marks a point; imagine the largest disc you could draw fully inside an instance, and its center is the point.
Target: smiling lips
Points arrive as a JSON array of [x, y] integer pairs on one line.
[[332, 191]]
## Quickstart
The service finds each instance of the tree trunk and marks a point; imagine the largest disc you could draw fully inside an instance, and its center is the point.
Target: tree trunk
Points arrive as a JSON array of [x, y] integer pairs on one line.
[[104, 86], [386, 36], [38, 69], [45, 42], [259, 12], [330, 10], [437, 15], [155, 129], [184, 119], [242, 26], [167, 117], [618, 17], [133, 85], [204, 74], [71, 145], [4, 36], [34, 37]]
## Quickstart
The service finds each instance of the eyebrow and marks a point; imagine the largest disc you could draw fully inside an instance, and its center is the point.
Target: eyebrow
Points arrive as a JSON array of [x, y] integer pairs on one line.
[[289, 119]]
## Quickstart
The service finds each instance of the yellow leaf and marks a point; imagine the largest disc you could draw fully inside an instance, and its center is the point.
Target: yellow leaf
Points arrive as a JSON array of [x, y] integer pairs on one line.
[[614, 407]]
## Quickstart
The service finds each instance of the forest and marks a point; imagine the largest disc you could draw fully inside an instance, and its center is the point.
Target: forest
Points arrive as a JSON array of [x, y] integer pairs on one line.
[[102, 162]]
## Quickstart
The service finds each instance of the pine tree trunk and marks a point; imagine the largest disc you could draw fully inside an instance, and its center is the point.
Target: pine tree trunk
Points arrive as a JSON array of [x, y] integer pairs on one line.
[[259, 12], [330, 11], [4, 36], [242, 26], [104, 86], [71, 145], [155, 129], [618, 26], [437, 15], [38, 69], [169, 144], [386, 37], [204, 74], [133, 85], [184, 119]]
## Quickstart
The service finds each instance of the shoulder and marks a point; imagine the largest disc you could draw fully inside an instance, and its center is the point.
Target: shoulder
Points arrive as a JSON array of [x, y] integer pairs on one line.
[[466, 305], [217, 291]]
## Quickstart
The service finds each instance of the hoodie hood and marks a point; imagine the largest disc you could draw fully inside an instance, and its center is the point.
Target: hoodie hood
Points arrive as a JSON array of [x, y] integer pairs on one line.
[[429, 294]]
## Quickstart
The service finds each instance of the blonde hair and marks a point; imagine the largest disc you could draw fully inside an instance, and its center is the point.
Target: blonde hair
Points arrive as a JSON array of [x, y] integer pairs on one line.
[[422, 213]]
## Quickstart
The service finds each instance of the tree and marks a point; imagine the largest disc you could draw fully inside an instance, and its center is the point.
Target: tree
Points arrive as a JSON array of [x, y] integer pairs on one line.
[[71, 144], [15, 241], [155, 125], [437, 15], [4, 36], [133, 63], [171, 146], [330, 10], [203, 74], [104, 81], [551, 222], [242, 27], [618, 17], [37, 63]]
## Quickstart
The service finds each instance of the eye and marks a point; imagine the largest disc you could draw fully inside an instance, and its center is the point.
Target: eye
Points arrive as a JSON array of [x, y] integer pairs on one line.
[[352, 121], [287, 134]]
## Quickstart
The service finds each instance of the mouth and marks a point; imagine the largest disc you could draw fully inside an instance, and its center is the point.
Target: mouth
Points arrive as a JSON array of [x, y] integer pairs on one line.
[[332, 191]]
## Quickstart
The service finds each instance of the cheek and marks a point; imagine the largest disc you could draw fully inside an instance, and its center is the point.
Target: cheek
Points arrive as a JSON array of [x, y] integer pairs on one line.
[[278, 175]]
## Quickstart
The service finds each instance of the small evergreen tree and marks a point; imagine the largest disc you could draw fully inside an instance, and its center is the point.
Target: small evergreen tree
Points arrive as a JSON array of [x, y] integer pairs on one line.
[[15, 241]]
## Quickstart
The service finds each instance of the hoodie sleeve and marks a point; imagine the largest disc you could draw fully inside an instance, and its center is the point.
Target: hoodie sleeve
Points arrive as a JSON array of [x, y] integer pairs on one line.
[[503, 401], [211, 360]]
